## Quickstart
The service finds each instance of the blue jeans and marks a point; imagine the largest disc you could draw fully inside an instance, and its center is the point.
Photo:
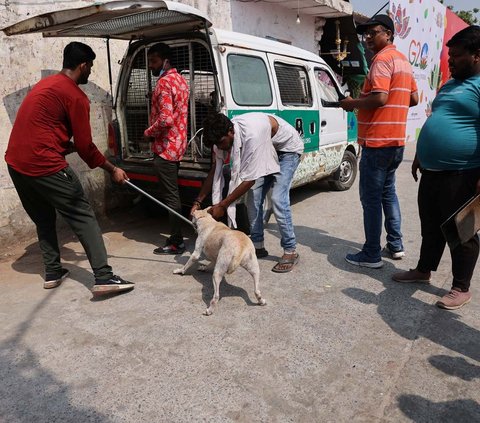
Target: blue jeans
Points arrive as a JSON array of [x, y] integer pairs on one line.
[[377, 190], [280, 201]]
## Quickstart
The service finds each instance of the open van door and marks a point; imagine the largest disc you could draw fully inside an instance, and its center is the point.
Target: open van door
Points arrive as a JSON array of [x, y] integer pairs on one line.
[[143, 23], [122, 20]]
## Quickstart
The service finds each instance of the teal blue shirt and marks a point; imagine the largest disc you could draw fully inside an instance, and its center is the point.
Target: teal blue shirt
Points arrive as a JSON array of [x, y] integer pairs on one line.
[[450, 138]]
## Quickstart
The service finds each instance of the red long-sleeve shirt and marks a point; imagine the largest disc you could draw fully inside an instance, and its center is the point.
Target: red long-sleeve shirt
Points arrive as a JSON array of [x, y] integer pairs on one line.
[[168, 117], [53, 112]]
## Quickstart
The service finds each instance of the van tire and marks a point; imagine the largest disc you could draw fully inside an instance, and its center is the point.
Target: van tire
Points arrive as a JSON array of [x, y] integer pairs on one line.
[[345, 175]]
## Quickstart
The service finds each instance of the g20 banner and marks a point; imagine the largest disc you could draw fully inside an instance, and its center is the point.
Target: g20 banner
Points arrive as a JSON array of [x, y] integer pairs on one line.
[[422, 28]]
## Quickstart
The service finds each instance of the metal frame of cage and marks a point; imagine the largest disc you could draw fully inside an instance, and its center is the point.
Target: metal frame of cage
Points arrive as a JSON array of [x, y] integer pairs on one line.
[[193, 61]]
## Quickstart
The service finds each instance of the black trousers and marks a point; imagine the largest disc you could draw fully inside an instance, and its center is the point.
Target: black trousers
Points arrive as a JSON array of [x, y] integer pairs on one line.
[[62, 192], [167, 172], [440, 194]]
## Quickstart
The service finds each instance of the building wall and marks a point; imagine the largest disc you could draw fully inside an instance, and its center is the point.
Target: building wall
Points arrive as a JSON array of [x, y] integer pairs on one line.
[[27, 58], [265, 20]]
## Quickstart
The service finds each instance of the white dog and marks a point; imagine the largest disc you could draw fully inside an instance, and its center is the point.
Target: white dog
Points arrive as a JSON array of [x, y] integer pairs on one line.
[[226, 249]]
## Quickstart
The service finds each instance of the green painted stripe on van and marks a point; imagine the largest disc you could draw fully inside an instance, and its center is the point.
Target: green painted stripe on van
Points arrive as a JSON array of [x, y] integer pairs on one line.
[[352, 127], [311, 141]]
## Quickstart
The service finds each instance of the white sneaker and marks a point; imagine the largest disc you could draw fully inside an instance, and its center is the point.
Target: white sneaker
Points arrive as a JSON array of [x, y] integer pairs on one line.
[[396, 255]]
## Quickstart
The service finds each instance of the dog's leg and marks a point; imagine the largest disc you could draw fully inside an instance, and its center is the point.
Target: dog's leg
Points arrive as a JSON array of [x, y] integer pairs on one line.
[[205, 267], [217, 278], [252, 267], [193, 258]]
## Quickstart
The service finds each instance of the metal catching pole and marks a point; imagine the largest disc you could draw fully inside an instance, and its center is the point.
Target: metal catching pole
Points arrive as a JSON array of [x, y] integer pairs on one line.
[[146, 194]]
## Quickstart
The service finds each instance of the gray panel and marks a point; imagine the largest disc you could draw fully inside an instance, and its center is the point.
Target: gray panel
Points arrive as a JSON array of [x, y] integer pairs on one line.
[[129, 24]]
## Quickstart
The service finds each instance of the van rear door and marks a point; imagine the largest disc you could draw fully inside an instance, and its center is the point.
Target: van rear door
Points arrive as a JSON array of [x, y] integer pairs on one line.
[[122, 20]]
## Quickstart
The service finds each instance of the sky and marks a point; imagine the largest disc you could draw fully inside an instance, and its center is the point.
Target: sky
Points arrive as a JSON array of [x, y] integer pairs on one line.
[[369, 7]]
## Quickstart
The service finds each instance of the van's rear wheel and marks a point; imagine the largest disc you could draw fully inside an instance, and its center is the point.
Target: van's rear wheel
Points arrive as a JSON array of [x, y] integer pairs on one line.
[[345, 175]]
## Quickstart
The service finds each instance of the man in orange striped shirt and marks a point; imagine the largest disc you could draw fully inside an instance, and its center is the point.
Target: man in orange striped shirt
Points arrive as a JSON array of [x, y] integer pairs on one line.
[[388, 92]]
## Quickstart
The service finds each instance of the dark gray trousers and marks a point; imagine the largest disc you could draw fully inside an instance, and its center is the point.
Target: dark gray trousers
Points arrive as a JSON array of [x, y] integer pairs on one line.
[[167, 172], [41, 197], [440, 194]]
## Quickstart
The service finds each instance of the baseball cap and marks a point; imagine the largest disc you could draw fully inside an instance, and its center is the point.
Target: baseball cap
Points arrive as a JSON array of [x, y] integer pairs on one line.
[[383, 20]]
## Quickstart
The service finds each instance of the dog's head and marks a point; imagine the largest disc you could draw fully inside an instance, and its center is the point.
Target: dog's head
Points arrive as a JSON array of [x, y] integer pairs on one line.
[[198, 215]]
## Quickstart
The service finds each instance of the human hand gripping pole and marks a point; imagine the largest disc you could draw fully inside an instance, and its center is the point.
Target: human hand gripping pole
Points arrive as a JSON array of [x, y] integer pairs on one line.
[[146, 194]]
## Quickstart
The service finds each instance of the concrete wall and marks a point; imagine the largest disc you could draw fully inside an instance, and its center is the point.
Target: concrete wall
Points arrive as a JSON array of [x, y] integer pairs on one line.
[[265, 19]]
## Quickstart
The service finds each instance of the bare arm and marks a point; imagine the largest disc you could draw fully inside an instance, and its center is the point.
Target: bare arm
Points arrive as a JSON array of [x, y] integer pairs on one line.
[[373, 101], [205, 190], [118, 175], [415, 168], [218, 210], [414, 99]]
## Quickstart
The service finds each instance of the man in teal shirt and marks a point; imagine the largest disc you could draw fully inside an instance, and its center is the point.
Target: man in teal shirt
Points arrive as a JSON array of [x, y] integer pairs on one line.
[[448, 157]]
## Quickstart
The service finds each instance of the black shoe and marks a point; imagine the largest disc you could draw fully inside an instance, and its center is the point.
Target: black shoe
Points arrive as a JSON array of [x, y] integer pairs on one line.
[[261, 252], [112, 285], [170, 249], [52, 280]]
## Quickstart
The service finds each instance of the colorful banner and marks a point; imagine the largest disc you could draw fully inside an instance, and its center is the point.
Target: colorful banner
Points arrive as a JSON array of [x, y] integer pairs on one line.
[[419, 34], [452, 26]]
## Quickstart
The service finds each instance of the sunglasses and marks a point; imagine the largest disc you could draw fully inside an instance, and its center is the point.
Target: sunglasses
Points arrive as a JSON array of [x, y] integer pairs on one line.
[[371, 33]]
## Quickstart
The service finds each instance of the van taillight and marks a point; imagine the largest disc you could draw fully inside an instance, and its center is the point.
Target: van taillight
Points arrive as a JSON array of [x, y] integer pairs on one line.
[[112, 142]]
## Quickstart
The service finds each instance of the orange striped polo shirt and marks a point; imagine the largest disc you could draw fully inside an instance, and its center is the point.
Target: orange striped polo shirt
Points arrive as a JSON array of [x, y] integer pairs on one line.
[[385, 126]]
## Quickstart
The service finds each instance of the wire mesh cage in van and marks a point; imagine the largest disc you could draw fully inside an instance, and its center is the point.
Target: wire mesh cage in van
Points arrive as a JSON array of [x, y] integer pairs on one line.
[[192, 60], [294, 85]]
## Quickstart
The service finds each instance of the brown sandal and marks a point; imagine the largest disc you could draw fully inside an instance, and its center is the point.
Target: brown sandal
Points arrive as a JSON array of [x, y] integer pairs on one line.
[[288, 260]]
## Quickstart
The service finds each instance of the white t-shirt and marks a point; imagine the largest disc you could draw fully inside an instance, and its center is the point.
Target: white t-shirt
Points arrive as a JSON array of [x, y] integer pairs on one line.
[[257, 153], [253, 153], [287, 139]]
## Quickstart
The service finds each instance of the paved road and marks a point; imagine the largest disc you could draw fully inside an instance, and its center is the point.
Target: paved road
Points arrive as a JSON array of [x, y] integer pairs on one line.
[[334, 344]]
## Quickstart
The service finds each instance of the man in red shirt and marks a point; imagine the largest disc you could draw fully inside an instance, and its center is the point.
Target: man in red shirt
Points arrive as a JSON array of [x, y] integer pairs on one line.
[[168, 130], [53, 112]]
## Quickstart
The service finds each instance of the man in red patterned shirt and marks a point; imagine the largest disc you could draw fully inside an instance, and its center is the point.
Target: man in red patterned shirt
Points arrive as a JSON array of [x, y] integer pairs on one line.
[[168, 129]]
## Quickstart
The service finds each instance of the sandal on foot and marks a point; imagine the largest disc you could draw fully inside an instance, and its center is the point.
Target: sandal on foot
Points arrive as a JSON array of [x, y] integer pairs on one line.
[[288, 260]]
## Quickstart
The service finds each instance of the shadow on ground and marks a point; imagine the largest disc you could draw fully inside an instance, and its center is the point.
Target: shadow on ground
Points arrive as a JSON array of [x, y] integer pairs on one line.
[[421, 410], [30, 262], [226, 289], [406, 315], [31, 393], [455, 366]]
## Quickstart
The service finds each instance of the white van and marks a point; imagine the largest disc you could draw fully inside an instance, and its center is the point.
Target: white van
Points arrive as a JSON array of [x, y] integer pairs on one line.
[[231, 72]]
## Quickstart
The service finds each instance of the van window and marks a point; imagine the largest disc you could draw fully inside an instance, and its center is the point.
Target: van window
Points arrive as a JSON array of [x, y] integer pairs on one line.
[[249, 80], [328, 90], [294, 85]]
